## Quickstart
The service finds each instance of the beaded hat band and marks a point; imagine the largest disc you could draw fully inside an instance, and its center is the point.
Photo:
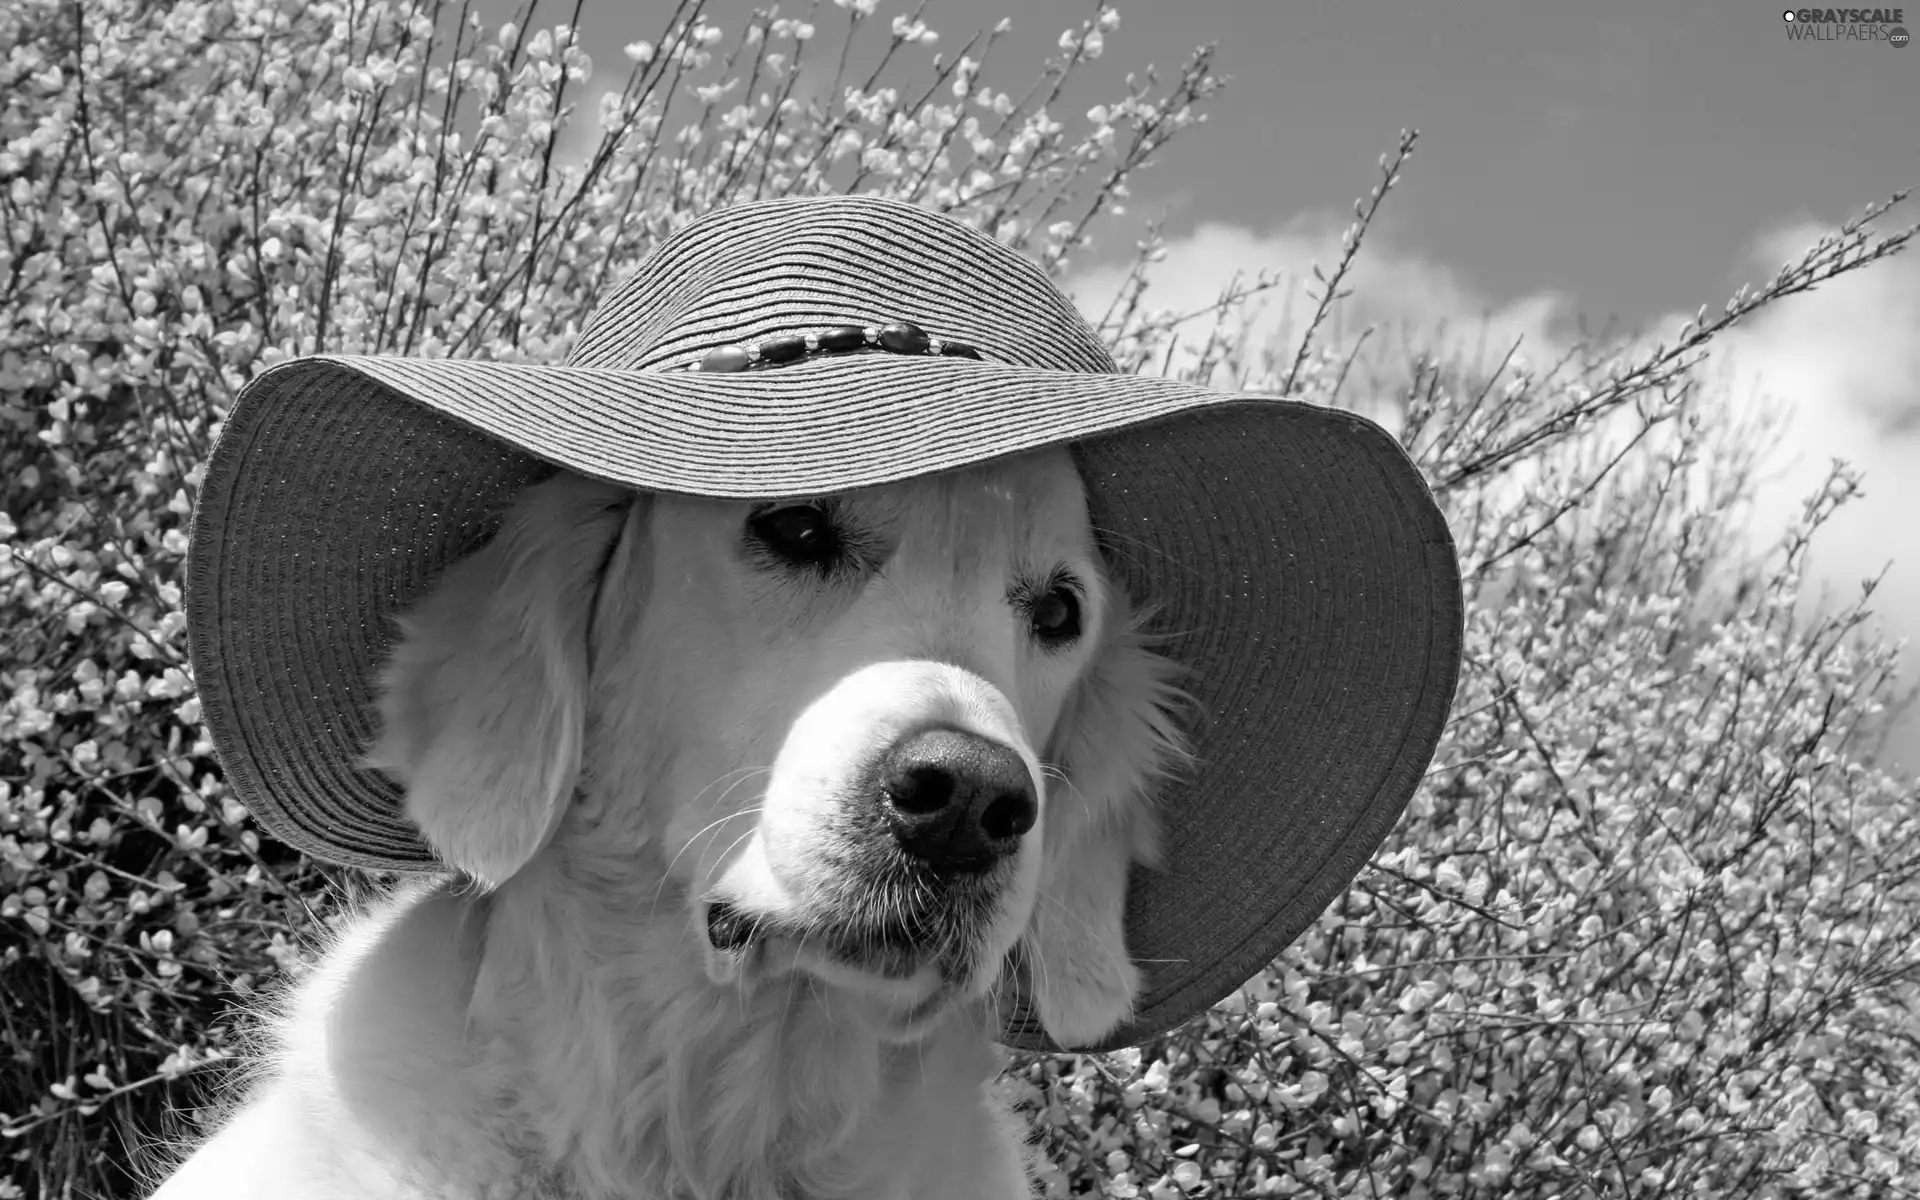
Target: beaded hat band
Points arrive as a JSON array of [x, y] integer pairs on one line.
[[897, 337], [1300, 569]]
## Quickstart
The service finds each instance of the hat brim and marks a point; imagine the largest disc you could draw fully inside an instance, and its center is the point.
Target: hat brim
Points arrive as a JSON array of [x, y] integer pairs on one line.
[[1298, 565]]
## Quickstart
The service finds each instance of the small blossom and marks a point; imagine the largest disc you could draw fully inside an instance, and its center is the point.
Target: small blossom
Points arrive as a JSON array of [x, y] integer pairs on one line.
[[908, 30]]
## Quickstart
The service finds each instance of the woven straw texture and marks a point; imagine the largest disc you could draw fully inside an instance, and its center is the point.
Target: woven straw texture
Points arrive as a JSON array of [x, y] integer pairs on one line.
[[1300, 567]]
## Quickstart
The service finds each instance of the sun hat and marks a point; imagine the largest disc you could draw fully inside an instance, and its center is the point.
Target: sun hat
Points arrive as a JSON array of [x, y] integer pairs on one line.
[[1298, 564]]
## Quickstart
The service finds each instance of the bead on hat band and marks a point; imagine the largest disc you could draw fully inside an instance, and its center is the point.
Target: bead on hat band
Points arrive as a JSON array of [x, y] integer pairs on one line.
[[901, 337]]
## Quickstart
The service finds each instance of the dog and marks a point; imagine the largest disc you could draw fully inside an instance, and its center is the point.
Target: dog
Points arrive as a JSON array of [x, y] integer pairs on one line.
[[753, 814]]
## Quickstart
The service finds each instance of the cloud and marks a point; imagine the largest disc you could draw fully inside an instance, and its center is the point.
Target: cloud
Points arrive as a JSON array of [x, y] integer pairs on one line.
[[1841, 363], [1849, 345], [1406, 294]]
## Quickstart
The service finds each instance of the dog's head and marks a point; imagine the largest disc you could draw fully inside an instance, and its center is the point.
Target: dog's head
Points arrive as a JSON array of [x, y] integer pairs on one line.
[[892, 739]]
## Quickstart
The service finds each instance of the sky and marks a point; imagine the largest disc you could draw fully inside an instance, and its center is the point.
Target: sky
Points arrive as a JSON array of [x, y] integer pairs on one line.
[[1599, 166]]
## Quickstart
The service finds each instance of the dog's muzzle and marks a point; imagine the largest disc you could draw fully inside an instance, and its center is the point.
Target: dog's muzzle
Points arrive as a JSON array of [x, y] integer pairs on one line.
[[895, 843], [955, 801]]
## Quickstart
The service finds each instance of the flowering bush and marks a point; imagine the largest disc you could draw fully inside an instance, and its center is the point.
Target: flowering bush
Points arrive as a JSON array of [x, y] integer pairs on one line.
[[1650, 926]]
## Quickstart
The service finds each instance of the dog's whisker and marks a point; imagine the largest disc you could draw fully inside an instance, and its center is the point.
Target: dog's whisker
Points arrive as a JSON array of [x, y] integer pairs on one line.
[[739, 838], [714, 824], [724, 777], [1108, 537], [666, 876], [700, 864], [738, 775], [1122, 546]]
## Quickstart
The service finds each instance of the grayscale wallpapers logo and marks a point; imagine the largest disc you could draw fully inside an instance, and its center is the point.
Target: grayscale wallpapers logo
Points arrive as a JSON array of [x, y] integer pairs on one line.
[[1848, 25]]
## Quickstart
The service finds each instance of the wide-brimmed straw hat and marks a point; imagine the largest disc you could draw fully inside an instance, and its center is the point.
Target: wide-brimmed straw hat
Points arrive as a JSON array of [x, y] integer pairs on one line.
[[1299, 566]]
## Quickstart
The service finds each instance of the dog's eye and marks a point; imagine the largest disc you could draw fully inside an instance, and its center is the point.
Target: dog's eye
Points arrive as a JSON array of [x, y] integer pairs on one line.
[[1055, 614], [800, 535]]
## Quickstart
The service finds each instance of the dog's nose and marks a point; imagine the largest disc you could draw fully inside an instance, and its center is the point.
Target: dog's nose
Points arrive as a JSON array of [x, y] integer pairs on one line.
[[956, 801]]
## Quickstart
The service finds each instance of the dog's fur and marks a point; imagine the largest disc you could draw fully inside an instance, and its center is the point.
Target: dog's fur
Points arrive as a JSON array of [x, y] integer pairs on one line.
[[622, 712]]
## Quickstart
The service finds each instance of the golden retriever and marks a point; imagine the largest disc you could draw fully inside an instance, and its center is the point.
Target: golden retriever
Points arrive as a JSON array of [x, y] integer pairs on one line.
[[754, 809]]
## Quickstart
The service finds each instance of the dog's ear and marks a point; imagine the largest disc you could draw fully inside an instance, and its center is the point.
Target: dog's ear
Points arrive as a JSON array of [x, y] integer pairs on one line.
[[482, 703], [1117, 741]]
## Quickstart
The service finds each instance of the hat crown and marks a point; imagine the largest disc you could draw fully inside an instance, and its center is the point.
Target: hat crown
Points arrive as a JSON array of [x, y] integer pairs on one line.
[[807, 263]]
